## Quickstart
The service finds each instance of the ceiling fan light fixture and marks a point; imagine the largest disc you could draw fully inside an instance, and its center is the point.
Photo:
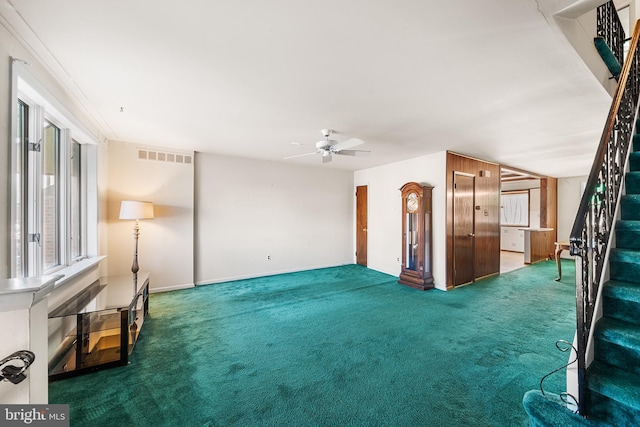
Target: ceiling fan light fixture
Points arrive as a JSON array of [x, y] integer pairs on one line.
[[327, 147], [322, 145]]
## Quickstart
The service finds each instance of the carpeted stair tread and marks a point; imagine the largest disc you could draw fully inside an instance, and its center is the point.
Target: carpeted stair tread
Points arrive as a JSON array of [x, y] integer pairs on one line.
[[634, 161], [549, 410], [618, 343], [630, 206], [617, 384], [629, 291], [636, 139], [619, 331], [624, 264], [632, 182], [622, 301], [614, 395], [625, 255], [628, 234]]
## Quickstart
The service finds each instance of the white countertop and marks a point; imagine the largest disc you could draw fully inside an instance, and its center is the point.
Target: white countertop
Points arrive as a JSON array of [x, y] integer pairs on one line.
[[535, 229]]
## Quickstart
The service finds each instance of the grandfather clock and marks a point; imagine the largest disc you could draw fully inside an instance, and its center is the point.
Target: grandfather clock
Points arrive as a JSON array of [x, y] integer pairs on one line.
[[416, 236]]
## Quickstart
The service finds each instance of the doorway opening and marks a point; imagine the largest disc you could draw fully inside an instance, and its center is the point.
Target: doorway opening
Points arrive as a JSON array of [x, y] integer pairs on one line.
[[528, 201]]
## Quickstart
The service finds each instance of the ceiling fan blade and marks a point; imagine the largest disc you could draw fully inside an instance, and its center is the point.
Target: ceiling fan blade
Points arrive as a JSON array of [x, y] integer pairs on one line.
[[353, 152], [299, 155], [347, 144]]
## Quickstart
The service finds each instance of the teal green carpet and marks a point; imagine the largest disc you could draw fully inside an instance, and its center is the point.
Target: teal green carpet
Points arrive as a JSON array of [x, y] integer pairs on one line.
[[344, 346], [607, 56]]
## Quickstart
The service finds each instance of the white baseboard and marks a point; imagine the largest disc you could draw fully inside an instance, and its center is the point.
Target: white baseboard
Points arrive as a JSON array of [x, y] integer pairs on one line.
[[572, 376], [264, 274]]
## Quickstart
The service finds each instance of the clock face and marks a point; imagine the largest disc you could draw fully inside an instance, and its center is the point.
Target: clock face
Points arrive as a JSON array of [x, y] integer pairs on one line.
[[412, 202]]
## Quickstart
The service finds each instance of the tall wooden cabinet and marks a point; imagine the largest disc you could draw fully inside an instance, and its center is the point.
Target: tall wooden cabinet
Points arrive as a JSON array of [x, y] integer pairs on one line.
[[417, 242], [483, 253]]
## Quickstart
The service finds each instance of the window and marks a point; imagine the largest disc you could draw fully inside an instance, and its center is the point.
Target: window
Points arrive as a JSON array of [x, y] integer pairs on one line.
[[50, 236], [53, 175], [22, 138], [624, 16], [514, 206]]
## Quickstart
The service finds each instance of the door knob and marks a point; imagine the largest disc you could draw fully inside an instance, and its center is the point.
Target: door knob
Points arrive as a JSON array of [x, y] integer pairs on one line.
[[472, 235], [364, 229]]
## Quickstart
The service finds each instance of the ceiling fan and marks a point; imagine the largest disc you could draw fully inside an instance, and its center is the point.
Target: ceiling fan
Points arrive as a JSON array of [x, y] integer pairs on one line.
[[327, 147]]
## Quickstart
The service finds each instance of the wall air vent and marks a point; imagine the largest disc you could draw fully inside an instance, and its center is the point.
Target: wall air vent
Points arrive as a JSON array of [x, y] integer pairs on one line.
[[163, 156]]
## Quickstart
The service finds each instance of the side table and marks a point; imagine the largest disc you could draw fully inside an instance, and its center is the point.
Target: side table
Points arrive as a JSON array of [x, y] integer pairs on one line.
[[560, 246], [98, 326]]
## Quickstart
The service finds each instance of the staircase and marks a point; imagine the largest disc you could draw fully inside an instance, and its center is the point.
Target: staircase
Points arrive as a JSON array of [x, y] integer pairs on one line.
[[614, 376], [608, 388]]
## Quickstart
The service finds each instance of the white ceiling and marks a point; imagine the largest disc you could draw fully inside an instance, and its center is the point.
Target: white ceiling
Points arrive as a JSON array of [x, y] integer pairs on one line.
[[493, 79]]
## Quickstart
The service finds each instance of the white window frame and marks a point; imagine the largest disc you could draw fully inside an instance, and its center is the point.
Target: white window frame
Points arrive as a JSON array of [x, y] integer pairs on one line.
[[83, 196], [44, 106]]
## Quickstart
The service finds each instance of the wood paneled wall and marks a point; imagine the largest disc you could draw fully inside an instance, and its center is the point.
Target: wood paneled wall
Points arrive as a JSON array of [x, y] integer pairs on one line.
[[487, 214], [549, 210]]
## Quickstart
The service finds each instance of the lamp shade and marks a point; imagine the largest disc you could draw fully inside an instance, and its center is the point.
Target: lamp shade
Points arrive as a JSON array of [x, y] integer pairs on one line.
[[133, 209]]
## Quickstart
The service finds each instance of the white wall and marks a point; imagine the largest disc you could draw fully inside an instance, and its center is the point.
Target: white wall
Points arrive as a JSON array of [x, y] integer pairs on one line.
[[534, 208], [8, 48], [249, 210], [519, 185], [569, 195], [384, 230], [165, 246], [18, 339]]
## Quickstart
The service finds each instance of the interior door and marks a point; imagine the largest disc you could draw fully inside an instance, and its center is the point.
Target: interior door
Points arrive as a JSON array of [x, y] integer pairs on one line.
[[361, 225], [463, 228]]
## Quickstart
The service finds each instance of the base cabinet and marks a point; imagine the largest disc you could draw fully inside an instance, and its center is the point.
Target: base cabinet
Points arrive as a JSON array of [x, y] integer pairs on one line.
[[538, 245], [98, 327], [511, 239]]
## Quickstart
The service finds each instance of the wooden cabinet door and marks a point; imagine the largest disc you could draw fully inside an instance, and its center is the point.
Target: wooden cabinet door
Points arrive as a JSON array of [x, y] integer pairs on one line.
[[463, 228]]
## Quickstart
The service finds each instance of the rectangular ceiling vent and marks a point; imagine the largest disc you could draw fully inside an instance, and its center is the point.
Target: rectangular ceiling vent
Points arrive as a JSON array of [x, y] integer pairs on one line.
[[163, 156]]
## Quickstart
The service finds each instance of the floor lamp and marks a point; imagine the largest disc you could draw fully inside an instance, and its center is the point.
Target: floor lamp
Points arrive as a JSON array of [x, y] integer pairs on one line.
[[133, 209]]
